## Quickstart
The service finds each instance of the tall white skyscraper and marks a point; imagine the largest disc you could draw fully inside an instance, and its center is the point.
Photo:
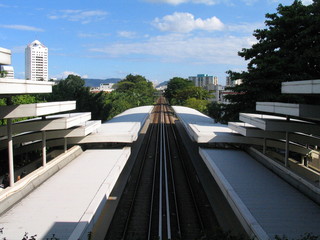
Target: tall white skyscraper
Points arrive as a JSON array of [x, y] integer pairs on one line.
[[36, 55]]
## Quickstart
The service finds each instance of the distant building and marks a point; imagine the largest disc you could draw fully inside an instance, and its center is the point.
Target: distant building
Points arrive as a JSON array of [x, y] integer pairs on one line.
[[104, 87], [5, 61], [9, 71], [204, 80], [229, 83], [5, 56], [36, 60]]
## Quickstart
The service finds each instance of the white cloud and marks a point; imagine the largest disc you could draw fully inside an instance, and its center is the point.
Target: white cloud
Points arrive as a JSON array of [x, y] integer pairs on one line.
[[249, 2], [307, 2], [23, 28], [245, 27], [80, 15], [65, 74], [289, 2], [185, 22], [214, 2], [181, 48], [126, 34], [93, 35], [177, 2]]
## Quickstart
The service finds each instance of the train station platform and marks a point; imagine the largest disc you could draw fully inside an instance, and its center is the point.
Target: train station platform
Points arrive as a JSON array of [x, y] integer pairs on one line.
[[265, 205], [69, 203], [203, 129]]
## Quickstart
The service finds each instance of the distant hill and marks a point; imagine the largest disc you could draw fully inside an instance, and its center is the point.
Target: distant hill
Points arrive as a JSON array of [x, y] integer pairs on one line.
[[96, 82], [162, 84]]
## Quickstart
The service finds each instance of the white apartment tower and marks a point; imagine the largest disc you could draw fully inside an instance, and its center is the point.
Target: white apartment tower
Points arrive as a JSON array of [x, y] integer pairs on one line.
[[36, 55]]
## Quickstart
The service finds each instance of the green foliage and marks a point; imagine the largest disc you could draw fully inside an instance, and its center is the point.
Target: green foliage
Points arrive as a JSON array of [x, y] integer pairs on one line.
[[73, 88], [181, 91], [216, 110], [133, 91], [182, 95], [117, 103], [70, 88], [288, 49], [223, 113], [198, 104], [24, 99], [174, 85], [3, 74]]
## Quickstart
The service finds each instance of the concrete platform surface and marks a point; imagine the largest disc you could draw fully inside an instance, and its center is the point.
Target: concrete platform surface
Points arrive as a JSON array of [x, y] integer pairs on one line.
[[265, 204], [68, 203]]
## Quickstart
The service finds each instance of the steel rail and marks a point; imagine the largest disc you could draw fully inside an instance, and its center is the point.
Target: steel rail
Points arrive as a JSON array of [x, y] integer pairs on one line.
[[166, 180], [153, 185], [188, 180], [173, 181], [160, 177]]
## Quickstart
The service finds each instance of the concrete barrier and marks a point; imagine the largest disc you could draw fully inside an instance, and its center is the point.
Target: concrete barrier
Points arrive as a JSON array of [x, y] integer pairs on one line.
[[11, 195]]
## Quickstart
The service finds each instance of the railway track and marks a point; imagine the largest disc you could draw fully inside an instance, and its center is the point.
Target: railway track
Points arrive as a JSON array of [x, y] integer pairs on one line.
[[163, 198]]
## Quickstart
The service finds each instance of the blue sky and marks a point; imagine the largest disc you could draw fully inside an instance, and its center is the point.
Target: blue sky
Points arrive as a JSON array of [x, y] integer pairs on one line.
[[158, 39]]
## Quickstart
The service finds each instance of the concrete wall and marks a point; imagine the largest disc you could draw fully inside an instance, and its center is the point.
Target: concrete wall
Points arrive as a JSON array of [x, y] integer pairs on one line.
[[11, 195]]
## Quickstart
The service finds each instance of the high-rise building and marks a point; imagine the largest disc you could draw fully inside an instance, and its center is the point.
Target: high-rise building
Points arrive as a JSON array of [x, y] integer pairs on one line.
[[205, 81], [202, 80], [36, 56]]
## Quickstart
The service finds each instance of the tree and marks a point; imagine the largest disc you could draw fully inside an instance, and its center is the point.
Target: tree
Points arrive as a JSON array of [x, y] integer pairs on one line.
[[198, 104], [3, 74], [175, 84], [138, 89], [68, 89], [182, 95], [73, 88], [133, 91], [288, 49]]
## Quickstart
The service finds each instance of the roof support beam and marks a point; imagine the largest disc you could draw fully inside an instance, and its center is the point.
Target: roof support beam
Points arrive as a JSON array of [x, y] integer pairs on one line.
[[44, 151], [10, 152]]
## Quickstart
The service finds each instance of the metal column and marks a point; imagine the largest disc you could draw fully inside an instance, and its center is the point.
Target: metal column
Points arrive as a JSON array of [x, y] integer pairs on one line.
[[287, 150], [264, 145], [10, 151], [44, 151], [65, 144], [286, 157]]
